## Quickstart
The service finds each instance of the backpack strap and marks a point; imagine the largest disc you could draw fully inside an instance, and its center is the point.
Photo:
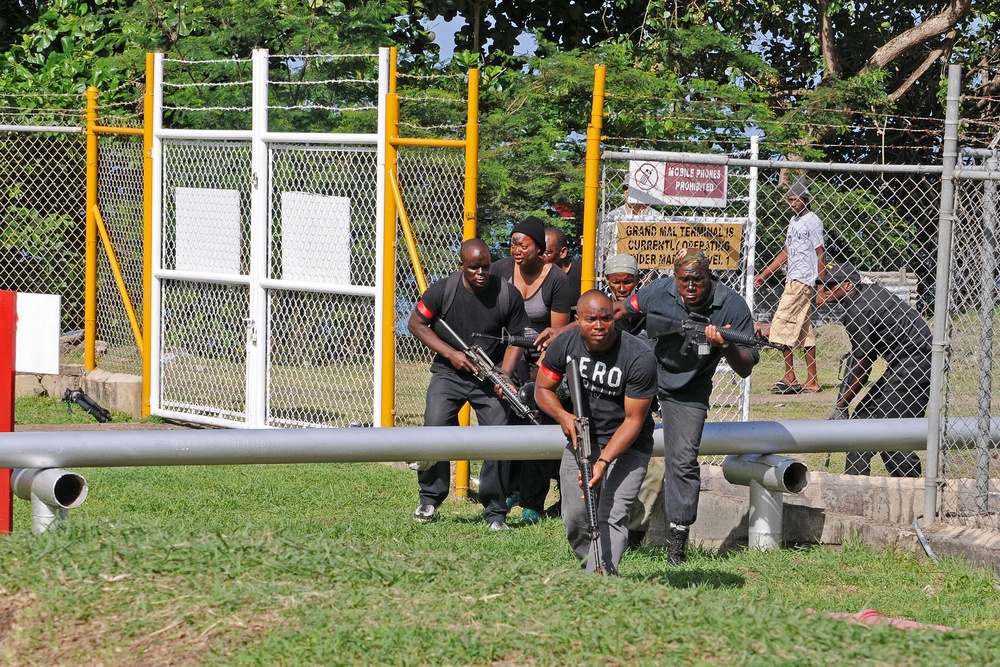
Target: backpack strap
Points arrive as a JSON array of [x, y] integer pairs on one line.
[[454, 281]]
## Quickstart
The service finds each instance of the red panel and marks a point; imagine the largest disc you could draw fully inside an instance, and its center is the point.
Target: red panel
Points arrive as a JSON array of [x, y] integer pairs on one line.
[[8, 331]]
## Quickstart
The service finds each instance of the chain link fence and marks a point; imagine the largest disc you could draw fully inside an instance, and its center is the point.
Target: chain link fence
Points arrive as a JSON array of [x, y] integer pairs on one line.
[[970, 494], [321, 360], [883, 221], [42, 221], [431, 181], [120, 200]]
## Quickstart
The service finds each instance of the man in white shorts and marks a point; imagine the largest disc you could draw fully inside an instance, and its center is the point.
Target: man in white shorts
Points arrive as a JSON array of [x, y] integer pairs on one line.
[[806, 263]]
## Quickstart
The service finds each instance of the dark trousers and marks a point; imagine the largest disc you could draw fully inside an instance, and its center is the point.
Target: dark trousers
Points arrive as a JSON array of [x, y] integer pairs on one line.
[[446, 394], [898, 394], [682, 428]]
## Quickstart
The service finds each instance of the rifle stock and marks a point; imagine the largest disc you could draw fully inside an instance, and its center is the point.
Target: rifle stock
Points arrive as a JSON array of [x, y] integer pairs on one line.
[[485, 369], [585, 453]]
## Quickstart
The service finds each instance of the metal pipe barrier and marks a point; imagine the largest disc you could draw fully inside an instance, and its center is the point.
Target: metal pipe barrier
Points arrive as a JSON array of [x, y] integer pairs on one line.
[[769, 478], [83, 449], [52, 494]]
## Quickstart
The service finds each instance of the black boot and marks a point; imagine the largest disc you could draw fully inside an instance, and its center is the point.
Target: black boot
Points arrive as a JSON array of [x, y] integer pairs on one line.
[[677, 549], [635, 538]]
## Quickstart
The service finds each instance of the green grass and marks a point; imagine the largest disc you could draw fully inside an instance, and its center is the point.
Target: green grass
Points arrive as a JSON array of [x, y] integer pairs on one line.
[[46, 410], [323, 565]]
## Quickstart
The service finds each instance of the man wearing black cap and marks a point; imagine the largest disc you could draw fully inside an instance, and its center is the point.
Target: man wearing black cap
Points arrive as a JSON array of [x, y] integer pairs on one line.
[[879, 324]]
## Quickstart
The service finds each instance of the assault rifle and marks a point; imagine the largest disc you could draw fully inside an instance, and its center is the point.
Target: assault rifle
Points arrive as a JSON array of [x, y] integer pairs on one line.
[[486, 369], [509, 339], [87, 403], [586, 454], [693, 329]]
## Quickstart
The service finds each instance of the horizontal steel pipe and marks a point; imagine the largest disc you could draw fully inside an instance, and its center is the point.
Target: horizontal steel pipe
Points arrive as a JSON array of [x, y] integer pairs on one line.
[[82, 449]]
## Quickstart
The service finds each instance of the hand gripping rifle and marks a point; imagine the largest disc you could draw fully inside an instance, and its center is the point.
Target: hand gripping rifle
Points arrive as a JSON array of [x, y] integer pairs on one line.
[[486, 369], [693, 329], [508, 339], [586, 454]]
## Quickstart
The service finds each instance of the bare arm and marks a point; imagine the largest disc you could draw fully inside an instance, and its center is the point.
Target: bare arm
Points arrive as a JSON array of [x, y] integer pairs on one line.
[[636, 410], [776, 263], [548, 402], [821, 260], [739, 358], [420, 327], [854, 382]]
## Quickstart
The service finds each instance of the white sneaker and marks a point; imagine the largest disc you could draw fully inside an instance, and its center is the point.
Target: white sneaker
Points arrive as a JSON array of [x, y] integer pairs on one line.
[[423, 513], [499, 525]]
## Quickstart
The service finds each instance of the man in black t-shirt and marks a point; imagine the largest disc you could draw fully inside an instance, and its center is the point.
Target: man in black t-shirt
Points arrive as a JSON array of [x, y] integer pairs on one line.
[[880, 324], [557, 252], [470, 301], [685, 376], [618, 373]]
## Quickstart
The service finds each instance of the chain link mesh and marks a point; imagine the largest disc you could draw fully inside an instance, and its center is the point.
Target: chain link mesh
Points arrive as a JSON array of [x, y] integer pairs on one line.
[[203, 341], [120, 200], [42, 223], [321, 361], [971, 493], [432, 184], [204, 325], [884, 223]]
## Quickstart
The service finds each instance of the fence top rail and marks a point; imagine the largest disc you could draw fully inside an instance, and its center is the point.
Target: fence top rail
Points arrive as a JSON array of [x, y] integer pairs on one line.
[[41, 128], [715, 158]]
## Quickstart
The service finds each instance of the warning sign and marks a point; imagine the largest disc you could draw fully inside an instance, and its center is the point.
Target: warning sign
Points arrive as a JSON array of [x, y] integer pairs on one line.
[[655, 243], [678, 183]]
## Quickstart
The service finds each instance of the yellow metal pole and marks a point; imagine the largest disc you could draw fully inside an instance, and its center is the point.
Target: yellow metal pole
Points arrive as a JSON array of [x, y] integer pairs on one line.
[[389, 281], [117, 272], [591, 183], [469, 231], [408, 235], [472, 156], [147, 233], [90, 239]]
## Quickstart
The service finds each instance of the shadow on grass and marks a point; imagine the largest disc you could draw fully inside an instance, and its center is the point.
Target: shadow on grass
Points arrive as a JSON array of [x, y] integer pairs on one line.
[[692, 577]]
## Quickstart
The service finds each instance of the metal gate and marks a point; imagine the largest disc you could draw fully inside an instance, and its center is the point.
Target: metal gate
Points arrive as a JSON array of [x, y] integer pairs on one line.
[[267, 259]]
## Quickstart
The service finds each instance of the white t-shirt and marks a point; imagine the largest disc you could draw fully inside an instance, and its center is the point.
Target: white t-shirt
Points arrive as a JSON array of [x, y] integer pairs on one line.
[[805, 234]]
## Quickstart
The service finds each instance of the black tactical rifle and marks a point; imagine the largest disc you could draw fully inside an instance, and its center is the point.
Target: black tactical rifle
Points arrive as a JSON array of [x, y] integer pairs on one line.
[[586, 454], [509, 339], [693, 329], [486, 369], [87, 403]]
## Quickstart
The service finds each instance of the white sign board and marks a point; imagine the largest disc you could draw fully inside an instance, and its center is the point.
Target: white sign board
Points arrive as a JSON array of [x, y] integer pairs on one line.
[[208, 230], [38, 328], [315, 238], [678, 183]]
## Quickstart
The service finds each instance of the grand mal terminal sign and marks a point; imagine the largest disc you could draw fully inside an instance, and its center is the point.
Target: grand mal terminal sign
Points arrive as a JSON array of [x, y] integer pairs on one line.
[[655, 243]]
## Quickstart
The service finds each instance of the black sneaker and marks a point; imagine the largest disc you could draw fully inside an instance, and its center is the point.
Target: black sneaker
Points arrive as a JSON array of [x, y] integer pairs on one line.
[[677, 550], [635, 538], [423, 513]]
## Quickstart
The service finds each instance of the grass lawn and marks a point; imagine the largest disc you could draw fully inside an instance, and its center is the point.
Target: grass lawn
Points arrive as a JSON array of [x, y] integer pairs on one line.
[[323, 565]]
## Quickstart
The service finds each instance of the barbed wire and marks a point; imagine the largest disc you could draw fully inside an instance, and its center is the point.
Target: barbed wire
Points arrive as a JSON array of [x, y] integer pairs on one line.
[[213, 84], [428, 77], [443, 100], [324, 56], [208, 62], [367, 82], [414, 126], [324, 107], [180, 108]]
